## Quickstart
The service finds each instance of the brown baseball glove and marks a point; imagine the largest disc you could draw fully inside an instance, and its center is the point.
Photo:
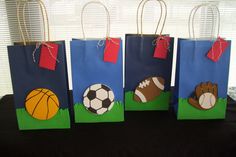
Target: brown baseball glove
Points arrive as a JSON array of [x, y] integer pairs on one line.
[[205, 96]]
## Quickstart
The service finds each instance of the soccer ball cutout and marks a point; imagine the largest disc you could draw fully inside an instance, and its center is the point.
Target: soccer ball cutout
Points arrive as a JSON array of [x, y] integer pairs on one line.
[[98, 99]]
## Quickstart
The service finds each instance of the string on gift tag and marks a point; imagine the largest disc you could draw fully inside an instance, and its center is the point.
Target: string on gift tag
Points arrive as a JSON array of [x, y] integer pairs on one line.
[[217, 49], [219, 46], [111, 50], [161, 43], [49, 50], [112, 45], [212, 48], [33, 54], [101, 43], [161, 47], [167, 45]]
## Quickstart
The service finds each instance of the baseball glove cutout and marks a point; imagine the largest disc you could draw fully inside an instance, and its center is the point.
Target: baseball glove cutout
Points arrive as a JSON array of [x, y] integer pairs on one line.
[[205, 97]]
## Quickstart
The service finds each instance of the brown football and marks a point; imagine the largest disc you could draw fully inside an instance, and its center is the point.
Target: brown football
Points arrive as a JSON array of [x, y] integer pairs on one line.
[[149, 89]]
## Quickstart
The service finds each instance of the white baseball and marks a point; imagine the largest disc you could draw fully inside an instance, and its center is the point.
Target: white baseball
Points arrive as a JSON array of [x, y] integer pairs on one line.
[[207, 100]]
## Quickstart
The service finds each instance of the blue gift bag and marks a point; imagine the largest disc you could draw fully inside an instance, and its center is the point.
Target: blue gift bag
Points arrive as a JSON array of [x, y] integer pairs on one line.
[[97, 85], [200, 84], [147, 79], [41, 95]]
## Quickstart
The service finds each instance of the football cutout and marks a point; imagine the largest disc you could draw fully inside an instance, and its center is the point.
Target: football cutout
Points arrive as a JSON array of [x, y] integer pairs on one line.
[[42, 104], [149, 89], [98, 99]]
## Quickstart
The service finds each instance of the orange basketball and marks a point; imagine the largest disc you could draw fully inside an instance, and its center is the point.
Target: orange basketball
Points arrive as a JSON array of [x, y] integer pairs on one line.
[[42, 104]]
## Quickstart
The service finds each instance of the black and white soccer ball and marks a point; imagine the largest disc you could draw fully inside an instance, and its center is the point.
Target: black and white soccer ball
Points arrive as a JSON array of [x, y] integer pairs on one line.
[[98, 99]]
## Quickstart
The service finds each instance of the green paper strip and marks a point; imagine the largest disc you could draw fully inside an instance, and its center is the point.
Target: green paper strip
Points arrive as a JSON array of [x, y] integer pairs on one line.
[[82, 115], [160, 103], [187, 111], [60, 121]]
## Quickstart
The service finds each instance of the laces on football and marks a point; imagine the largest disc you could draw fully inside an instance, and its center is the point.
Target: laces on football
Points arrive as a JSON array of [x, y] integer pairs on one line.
[[144, 84]]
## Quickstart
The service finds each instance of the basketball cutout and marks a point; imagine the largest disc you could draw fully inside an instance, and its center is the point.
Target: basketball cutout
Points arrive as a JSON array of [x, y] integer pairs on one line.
[[42, 104], [98, 99]]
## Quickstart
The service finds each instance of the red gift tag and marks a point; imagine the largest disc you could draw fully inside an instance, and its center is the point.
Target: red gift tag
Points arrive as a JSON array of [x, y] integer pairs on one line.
[[217, 49], [111, 50], [162, 47], [48, 56]]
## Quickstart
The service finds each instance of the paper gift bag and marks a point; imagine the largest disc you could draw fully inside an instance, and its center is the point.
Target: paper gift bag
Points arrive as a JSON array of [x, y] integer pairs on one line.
[[39, 80], [97, 76], [201, 74], [148, 67]]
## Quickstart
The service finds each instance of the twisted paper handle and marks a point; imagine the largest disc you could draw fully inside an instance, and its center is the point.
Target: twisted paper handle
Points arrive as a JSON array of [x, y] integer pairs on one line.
[[108, 17], [192, 17], [44, 15], [143, 2]]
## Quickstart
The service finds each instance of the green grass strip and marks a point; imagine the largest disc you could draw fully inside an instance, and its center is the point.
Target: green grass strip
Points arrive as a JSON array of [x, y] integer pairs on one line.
[[60, 121], [82, 115], [160, 103], [187, 111]]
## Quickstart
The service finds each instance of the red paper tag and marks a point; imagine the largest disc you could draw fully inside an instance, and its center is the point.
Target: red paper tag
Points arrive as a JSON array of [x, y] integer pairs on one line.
[[48, 56], [111, 50], [217, 49], [162, 47]]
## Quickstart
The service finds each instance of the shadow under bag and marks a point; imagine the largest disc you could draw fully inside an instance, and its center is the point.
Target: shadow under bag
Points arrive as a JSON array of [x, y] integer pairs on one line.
[[40, 91]]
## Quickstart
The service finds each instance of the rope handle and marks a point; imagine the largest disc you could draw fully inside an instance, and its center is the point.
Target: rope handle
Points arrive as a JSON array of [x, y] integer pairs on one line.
[[44, 14], [163, 24], [143, 2], [192, 17], [108, 18]]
